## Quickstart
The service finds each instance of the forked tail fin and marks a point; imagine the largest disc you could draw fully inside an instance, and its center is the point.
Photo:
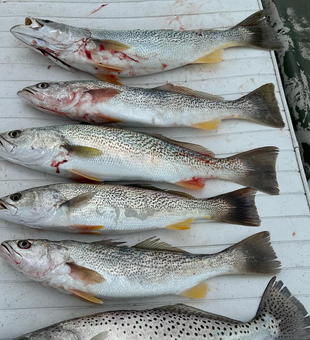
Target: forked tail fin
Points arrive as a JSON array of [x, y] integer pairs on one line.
[[286, 315], [237, 207], [262, 107], [256, 169], [254, 31], [254, 255]]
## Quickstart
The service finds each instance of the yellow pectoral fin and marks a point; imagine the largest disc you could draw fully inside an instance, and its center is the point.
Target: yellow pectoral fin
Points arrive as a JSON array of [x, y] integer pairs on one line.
[[87, 229], [211, 125], [85, 296], [197, 292], [181, 225], [211, 58], [79, 174], [86, 275]]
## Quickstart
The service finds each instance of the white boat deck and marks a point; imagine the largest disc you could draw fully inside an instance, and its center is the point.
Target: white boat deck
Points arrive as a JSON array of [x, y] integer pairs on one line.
[[26, 305]]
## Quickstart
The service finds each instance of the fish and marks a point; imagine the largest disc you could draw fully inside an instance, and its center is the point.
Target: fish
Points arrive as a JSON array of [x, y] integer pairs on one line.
[[109, 153], [99, 102], [112, 54], [110, 270], [279, 316], [103, 209]]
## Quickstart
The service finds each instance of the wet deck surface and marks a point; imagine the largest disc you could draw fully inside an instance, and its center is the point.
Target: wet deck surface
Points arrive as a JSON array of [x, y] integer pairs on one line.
[[26, 305]]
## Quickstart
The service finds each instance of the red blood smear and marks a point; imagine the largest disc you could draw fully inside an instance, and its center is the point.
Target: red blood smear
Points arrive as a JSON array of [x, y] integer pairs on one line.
[[163, 66], [200, 182], [294, 234], [88, 54], [57, 164], [98, 9], [34, 42], [123, 56], [48, 67], [101, 47]]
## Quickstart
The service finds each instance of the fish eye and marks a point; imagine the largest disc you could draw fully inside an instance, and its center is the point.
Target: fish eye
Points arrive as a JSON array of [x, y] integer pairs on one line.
[[42, 86], [24, 244], [15, 133], [16, 197]]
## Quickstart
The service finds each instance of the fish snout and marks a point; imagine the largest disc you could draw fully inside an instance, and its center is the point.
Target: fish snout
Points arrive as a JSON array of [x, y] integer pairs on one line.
[[7, 252]]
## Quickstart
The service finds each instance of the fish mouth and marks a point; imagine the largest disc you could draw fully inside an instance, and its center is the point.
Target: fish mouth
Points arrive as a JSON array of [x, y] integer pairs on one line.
[[25, 91], [7, 251], [3, 207]]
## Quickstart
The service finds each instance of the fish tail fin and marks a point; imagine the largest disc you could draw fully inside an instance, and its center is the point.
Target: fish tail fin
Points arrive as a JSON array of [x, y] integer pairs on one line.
[[258, 169], [285, 314], [237, 207], [254, 255], [263, 107], [254, 31]]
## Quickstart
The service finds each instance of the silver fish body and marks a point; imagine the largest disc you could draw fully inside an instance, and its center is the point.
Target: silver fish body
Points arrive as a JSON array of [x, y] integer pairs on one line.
[[165, 106], [113, 208], [279, 316], [110, 54], [102, 270], [113, 154]]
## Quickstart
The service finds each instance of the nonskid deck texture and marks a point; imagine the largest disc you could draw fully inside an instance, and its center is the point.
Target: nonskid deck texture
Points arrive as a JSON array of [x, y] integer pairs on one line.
[[25, 305]]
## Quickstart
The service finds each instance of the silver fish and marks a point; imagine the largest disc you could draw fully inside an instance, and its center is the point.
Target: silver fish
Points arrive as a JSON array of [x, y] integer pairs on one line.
[[110, 54], [99, 270], [279, 316], [108, 153], [165, 106], [90, 208]]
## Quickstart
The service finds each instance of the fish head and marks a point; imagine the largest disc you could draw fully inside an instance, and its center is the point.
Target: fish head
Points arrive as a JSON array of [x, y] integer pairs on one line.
[[32, 207], [30, 147], [53, 40], [37, 259], [53, 96]]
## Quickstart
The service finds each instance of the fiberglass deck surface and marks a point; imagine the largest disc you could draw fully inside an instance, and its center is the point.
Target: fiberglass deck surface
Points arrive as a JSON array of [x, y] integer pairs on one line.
[[26, 305]]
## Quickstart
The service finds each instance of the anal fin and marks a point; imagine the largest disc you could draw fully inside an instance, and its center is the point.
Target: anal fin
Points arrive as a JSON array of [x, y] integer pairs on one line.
[[110, 78], [194, 184], [87, 229], [181, 225], [211, 58], [197, 292], [210, 125], [85, 296]]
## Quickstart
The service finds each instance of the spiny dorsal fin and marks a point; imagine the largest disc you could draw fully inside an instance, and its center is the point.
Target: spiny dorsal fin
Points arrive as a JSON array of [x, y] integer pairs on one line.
[[190, 146], [184, 309], [188, 92], [153, 243], [108, 242], [172, 192]]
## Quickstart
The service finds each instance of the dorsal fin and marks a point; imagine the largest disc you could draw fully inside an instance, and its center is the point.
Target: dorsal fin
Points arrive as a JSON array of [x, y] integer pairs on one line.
[[108, 242], [153, 243], [184, 309], [190, 146], [188, 92], [172, 192]]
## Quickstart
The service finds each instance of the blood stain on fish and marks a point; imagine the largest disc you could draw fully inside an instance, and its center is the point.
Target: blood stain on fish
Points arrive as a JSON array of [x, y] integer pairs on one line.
[[123, 56], [48, 67], [56, 165], [163, 66], [98, 9]]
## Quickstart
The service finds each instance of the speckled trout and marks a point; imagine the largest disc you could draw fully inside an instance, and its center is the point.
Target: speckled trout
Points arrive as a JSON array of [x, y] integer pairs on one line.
[[279, 316], [110, 54], [113, 154], [99, 270], [164, 106], [90, 208]]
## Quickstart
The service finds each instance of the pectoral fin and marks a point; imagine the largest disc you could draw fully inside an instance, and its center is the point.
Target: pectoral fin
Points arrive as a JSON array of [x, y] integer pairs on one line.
[[101, 336], [85, 296], [211, 58], [86, 275], [80, 175], [83, 151], [194, 184], [181, 225], [197, 292], [87, 229], [211, 125], [110, 45]]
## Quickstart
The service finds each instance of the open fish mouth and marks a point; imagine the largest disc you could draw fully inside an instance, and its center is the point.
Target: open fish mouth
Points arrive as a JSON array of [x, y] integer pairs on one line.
[[3, 207]]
